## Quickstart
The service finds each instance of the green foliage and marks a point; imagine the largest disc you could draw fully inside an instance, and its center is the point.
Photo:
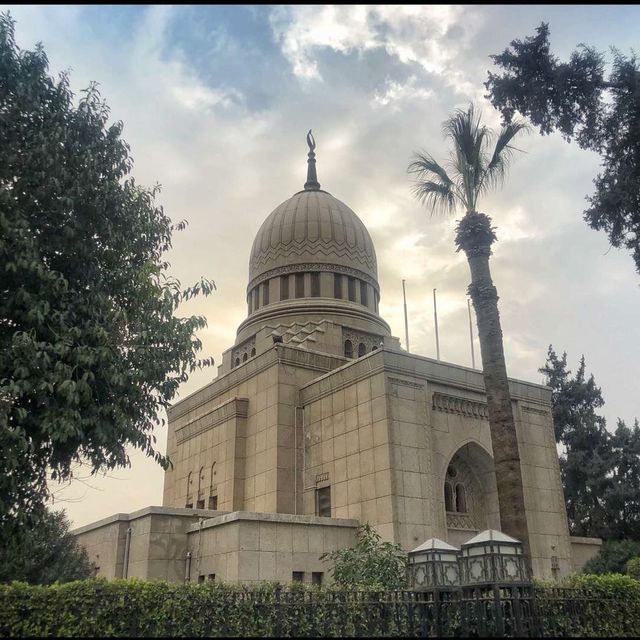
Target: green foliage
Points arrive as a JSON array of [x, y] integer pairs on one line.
[[600, 471], [594, 605], [91, 351], [478, 162], [633, 568], [613, 557], [601, 115], [370, 564], [43, 554]]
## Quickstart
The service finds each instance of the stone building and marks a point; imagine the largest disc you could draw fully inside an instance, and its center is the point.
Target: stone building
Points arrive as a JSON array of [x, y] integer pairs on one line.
[[318, 420]]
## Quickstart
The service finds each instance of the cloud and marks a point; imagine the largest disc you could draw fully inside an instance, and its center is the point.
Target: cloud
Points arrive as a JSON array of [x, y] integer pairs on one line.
[[216, 103]]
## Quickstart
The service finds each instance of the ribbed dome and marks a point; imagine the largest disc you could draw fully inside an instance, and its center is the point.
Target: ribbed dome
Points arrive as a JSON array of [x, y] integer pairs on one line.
[[312, 227]]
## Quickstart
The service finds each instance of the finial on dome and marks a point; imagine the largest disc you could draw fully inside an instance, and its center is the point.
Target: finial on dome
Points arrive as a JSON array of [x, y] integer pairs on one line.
[[312, 183]]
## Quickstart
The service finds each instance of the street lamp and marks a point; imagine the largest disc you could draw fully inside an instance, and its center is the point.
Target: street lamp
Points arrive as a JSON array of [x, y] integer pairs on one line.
[[434, 565], [492, 558]]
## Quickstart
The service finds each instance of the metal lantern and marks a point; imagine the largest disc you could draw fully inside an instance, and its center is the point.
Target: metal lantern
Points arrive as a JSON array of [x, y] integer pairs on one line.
[[434, 565], [492, 557]]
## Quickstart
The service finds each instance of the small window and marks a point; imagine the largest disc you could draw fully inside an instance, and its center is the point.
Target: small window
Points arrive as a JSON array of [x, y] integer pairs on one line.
[[249, 299], [200, 504], [211, 577], [299, 285], [364, 294], [316, 577], [315, 285], [348, 349], [448, 497], [213, 503], [337, 286], [256, 298], [284, 287], [237, 362], [189, 505], [265, 293], [362, 350], [374, 347], [201, 579], [352, 289], [253, 352], [244, 357], [324, 502], [376, 299], [297, 576]]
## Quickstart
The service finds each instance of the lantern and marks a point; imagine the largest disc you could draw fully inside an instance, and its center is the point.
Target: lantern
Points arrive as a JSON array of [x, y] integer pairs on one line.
[[434, 565], [492, 557]]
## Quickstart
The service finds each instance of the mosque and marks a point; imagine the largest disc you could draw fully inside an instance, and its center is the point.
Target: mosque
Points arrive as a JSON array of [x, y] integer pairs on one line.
[[319, 421]]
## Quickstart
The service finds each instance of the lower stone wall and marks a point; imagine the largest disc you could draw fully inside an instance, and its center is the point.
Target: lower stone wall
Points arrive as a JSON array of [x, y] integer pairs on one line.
[[582, 550], [252, 547]]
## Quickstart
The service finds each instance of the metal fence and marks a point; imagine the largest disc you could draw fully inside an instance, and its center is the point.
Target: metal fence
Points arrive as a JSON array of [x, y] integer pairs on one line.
[[491, 612]]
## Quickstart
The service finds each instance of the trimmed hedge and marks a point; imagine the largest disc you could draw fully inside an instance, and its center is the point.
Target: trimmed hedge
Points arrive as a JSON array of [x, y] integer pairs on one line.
[[588, 606]]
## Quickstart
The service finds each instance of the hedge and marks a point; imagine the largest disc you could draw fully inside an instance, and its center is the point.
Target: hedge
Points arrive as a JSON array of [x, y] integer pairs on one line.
[[588, 606]]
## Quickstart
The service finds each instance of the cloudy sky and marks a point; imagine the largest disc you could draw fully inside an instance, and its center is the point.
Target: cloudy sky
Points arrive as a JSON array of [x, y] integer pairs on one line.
[[216, 103]]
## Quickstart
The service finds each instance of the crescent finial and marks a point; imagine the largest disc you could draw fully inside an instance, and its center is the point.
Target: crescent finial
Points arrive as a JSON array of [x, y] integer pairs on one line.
[[311, 141]]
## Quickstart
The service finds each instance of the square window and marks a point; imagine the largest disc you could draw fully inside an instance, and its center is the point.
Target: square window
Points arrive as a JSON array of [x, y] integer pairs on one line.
[[211, 577], [297, 576], [316, 577], [213, 503], [200, 579], [200, 504]]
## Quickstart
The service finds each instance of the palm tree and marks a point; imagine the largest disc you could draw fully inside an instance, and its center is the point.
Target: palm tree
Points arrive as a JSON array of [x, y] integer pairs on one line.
[[479, 162]]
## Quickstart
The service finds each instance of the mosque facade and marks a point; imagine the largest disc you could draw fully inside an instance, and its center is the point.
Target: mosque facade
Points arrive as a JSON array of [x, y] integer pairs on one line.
[[319, 421]]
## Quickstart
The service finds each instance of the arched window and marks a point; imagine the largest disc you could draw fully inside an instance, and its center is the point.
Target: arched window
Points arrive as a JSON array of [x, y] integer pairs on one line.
[[253, 352], [348, 349], [244, 357], [189, 499], [364, 297], [362, 350], [461, 499], [337, 286], [448, 497], [237, 362]]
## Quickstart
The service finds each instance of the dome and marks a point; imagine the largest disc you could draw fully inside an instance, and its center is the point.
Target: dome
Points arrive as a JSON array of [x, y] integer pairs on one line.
[[313, 262], [316, 230]]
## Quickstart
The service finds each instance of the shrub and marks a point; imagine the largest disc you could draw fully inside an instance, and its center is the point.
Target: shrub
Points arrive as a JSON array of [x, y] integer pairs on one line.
[[370, 564], [613, 557], [633, 568]]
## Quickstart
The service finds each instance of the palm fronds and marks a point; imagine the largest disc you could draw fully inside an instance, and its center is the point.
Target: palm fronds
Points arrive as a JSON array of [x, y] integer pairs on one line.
[[473, 167], [433, 187]]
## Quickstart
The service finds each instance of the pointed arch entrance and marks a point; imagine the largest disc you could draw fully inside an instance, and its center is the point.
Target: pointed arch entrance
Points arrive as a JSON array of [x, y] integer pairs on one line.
[[470, 494]]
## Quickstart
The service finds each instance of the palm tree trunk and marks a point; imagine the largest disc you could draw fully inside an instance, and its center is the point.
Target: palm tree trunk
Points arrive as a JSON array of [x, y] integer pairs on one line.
[[506, 456]]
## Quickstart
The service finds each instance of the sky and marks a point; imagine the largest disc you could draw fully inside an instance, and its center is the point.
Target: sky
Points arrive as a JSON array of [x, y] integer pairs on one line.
[[216, 103]]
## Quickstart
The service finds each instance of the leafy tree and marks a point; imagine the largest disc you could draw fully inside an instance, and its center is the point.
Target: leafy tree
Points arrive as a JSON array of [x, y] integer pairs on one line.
[[370, 564], [91, 351], [585, 464], [600, 470], [613, 557], [633, 568], [624, 495], [602, 115], [44, 554], [478, 162]]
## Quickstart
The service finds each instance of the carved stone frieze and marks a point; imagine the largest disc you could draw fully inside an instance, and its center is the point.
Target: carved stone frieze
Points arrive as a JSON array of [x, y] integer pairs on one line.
[[460, 406]]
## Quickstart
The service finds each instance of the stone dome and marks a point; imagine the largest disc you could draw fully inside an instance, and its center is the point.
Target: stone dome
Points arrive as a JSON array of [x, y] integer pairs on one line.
[[314, 229]]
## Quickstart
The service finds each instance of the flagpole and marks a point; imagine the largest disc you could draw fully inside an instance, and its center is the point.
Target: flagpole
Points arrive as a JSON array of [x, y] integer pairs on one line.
[[435, 319], [406, 322]]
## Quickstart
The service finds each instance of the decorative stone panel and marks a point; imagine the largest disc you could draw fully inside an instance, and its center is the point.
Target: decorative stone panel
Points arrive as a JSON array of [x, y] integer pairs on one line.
[[244, 351], [460, 406], [359, 337]]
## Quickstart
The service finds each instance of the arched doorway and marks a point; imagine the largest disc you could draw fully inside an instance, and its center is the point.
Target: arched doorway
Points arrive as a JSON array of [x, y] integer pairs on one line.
[[470, 494]]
